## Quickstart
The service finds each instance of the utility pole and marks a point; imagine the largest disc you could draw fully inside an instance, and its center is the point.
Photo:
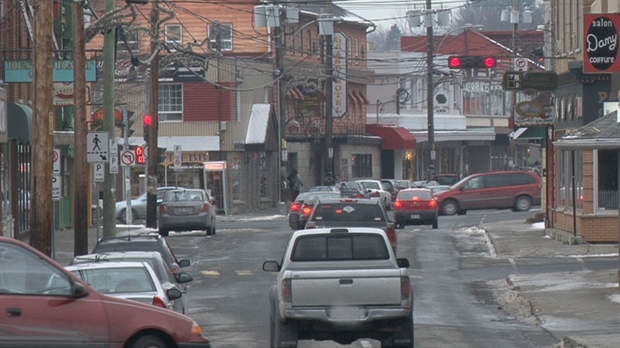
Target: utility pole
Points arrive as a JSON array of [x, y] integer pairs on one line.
[[430, 90], [151, 179], [80, 163], [279, 56], [109, 66], [43, 132], [329, 116]]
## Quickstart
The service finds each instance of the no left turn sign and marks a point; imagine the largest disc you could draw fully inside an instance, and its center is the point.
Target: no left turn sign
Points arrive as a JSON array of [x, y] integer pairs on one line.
[[128, 158]]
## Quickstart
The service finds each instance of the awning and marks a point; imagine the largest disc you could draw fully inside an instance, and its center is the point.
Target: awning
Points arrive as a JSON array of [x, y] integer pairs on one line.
[[295, 94], [362, 98], [352, 98], [528, 133], [19, 123], [393, 137]]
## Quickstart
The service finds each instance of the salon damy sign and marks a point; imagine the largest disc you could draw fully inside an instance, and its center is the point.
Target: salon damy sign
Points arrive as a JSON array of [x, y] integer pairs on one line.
[[601, 43]]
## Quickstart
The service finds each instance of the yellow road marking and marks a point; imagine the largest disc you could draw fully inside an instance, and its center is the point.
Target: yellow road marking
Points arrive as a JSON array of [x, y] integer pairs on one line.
[[211, 273]]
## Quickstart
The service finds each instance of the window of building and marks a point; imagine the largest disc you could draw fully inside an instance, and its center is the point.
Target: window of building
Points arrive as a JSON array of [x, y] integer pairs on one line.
[[570, 165], [170, 102], [128, 40], [222, 32], [357, 51], [361, 165], [174, 34], [349, 51], [264, 187], [607, 179]]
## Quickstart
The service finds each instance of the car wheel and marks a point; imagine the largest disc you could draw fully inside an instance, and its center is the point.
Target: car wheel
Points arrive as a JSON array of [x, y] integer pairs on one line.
[[523, 203], [164, 232], [122, 216], [435, 224], [449, 207], [149, 341], [211, 228]]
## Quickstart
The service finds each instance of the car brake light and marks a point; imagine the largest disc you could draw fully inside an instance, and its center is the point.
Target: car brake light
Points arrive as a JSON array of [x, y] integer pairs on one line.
[[433, 203], [391, 232], [359, 195], [159, 302], [405, 287], [398, 205], [163, 208], [416, 198], [307, 210], [287, 290], [295, 207], [205, 207]]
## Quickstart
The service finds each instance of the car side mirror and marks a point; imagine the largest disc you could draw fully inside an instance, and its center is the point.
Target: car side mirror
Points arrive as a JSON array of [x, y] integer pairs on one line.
[[173, 294], [78, 290], [184, 263], [184, 277], [402, 263], [271, 266]]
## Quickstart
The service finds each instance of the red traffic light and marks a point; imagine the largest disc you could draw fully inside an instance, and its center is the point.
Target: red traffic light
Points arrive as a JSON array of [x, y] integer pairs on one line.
[[148, 120], [467, 62], [140, 159]]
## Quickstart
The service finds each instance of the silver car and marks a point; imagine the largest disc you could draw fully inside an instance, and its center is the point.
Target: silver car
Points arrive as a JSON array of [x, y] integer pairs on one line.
[[138, 205], [129, 280], [155, 260], [186, 210]]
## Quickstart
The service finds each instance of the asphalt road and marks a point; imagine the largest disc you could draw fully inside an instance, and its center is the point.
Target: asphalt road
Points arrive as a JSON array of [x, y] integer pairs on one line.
[[450, 269]]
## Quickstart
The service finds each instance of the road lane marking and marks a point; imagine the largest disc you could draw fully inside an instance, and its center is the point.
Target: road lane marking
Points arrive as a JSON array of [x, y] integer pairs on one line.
[[244, 272], [211, 273]]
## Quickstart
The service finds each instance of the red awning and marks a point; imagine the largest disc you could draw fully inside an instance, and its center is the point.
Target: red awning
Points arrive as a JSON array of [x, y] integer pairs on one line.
[[295, 94], [353, 98], [393, 137], [362, 98]]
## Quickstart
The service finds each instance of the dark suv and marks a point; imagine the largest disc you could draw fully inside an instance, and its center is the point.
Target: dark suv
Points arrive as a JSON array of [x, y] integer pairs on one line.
[[141, 243], [516, 190], [347, 212]]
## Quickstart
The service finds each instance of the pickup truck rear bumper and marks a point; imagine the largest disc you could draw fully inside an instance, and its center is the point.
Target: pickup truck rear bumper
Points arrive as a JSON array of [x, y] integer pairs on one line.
[[365, 314]]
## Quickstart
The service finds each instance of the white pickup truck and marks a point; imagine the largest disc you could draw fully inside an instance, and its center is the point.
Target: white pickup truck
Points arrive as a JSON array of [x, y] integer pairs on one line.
[[340, 284]]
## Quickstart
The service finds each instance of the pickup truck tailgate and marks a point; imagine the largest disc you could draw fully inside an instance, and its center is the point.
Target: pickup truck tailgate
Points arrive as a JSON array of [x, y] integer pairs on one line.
[[358, 287]]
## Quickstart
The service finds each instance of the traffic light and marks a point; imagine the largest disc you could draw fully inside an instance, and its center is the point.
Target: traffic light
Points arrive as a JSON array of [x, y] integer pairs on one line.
[[467, 62], [129, 121], [140, 158], [161, 155], [148, 122]]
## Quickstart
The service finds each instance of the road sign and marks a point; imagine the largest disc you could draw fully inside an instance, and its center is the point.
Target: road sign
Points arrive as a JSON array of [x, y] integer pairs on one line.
[[56, 161], [178, 157], [56, 187], [113, 165], [536, 80], [98, 147], [99, 172], [519, 64], [113, 147], [128, 158]]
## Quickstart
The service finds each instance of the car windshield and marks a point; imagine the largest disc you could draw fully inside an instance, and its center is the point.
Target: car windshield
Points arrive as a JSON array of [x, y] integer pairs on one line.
[[340, 247], [118, 279], [347, 212]]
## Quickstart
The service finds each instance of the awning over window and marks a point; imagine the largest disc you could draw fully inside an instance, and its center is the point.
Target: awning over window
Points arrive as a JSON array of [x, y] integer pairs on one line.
[[362, 98], [20, 123], [393, 137], [352, 98], [295, 94]]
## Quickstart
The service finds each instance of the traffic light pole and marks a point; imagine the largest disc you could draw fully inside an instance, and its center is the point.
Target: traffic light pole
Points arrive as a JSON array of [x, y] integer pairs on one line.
[[430, 93], [126, 171], [151, 160]]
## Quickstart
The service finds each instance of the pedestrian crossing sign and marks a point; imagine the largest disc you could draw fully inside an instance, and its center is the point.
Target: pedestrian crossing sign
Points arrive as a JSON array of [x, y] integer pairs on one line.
[[97, 147]]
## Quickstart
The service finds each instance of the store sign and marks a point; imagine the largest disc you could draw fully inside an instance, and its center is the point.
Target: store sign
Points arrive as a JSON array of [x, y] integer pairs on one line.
[[339, 65], [601, 43], [23, 70], [533, 113]]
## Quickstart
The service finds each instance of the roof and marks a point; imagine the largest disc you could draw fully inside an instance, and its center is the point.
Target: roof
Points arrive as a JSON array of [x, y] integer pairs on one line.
[[603, 133], [338, 12]]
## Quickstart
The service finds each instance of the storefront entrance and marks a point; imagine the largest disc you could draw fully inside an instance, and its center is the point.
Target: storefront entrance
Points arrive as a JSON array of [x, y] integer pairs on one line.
[[216, 184]]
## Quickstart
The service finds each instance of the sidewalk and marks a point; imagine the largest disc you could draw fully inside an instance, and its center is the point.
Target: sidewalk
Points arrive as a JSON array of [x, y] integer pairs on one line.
[[582, 309]]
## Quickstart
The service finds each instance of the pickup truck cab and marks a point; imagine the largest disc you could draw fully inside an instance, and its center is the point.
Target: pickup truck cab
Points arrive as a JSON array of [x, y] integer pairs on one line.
[[340, 284]]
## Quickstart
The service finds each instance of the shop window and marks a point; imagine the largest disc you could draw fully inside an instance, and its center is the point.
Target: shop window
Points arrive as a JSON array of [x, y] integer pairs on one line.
[[236, 176], [607, 179], [174, 35], [361, 165], [223, 33]]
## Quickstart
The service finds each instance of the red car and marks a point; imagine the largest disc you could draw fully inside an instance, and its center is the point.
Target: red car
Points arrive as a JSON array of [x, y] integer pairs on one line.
[[42, 304], [416, 206]]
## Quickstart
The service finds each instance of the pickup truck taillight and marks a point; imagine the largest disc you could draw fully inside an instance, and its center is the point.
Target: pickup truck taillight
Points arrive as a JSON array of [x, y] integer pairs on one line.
[[391, 232], [287, 291], [405, 287]]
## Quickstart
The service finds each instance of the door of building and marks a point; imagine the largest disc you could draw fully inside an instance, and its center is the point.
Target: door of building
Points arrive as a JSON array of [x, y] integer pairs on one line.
[[216, 183]]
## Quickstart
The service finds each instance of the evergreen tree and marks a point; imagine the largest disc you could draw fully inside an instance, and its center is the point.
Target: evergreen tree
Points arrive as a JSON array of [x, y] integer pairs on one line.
[[392, 39]]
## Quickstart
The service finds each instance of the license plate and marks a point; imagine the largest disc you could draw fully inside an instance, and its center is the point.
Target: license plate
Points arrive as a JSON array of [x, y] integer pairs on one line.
[[415, 216], [184, 210], [347, 313]]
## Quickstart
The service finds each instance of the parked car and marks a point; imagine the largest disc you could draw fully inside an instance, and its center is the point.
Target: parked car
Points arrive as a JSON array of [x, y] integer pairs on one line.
[[416, 206], [347, 212], [516, 190], [295, 211], [141, 243], [130, 280], [446, 179], [154, 259], [138, 205], [403, 184], [391, 186], [353, 189], [308, 203], [46, 305], [376, 190], [186, 210]]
